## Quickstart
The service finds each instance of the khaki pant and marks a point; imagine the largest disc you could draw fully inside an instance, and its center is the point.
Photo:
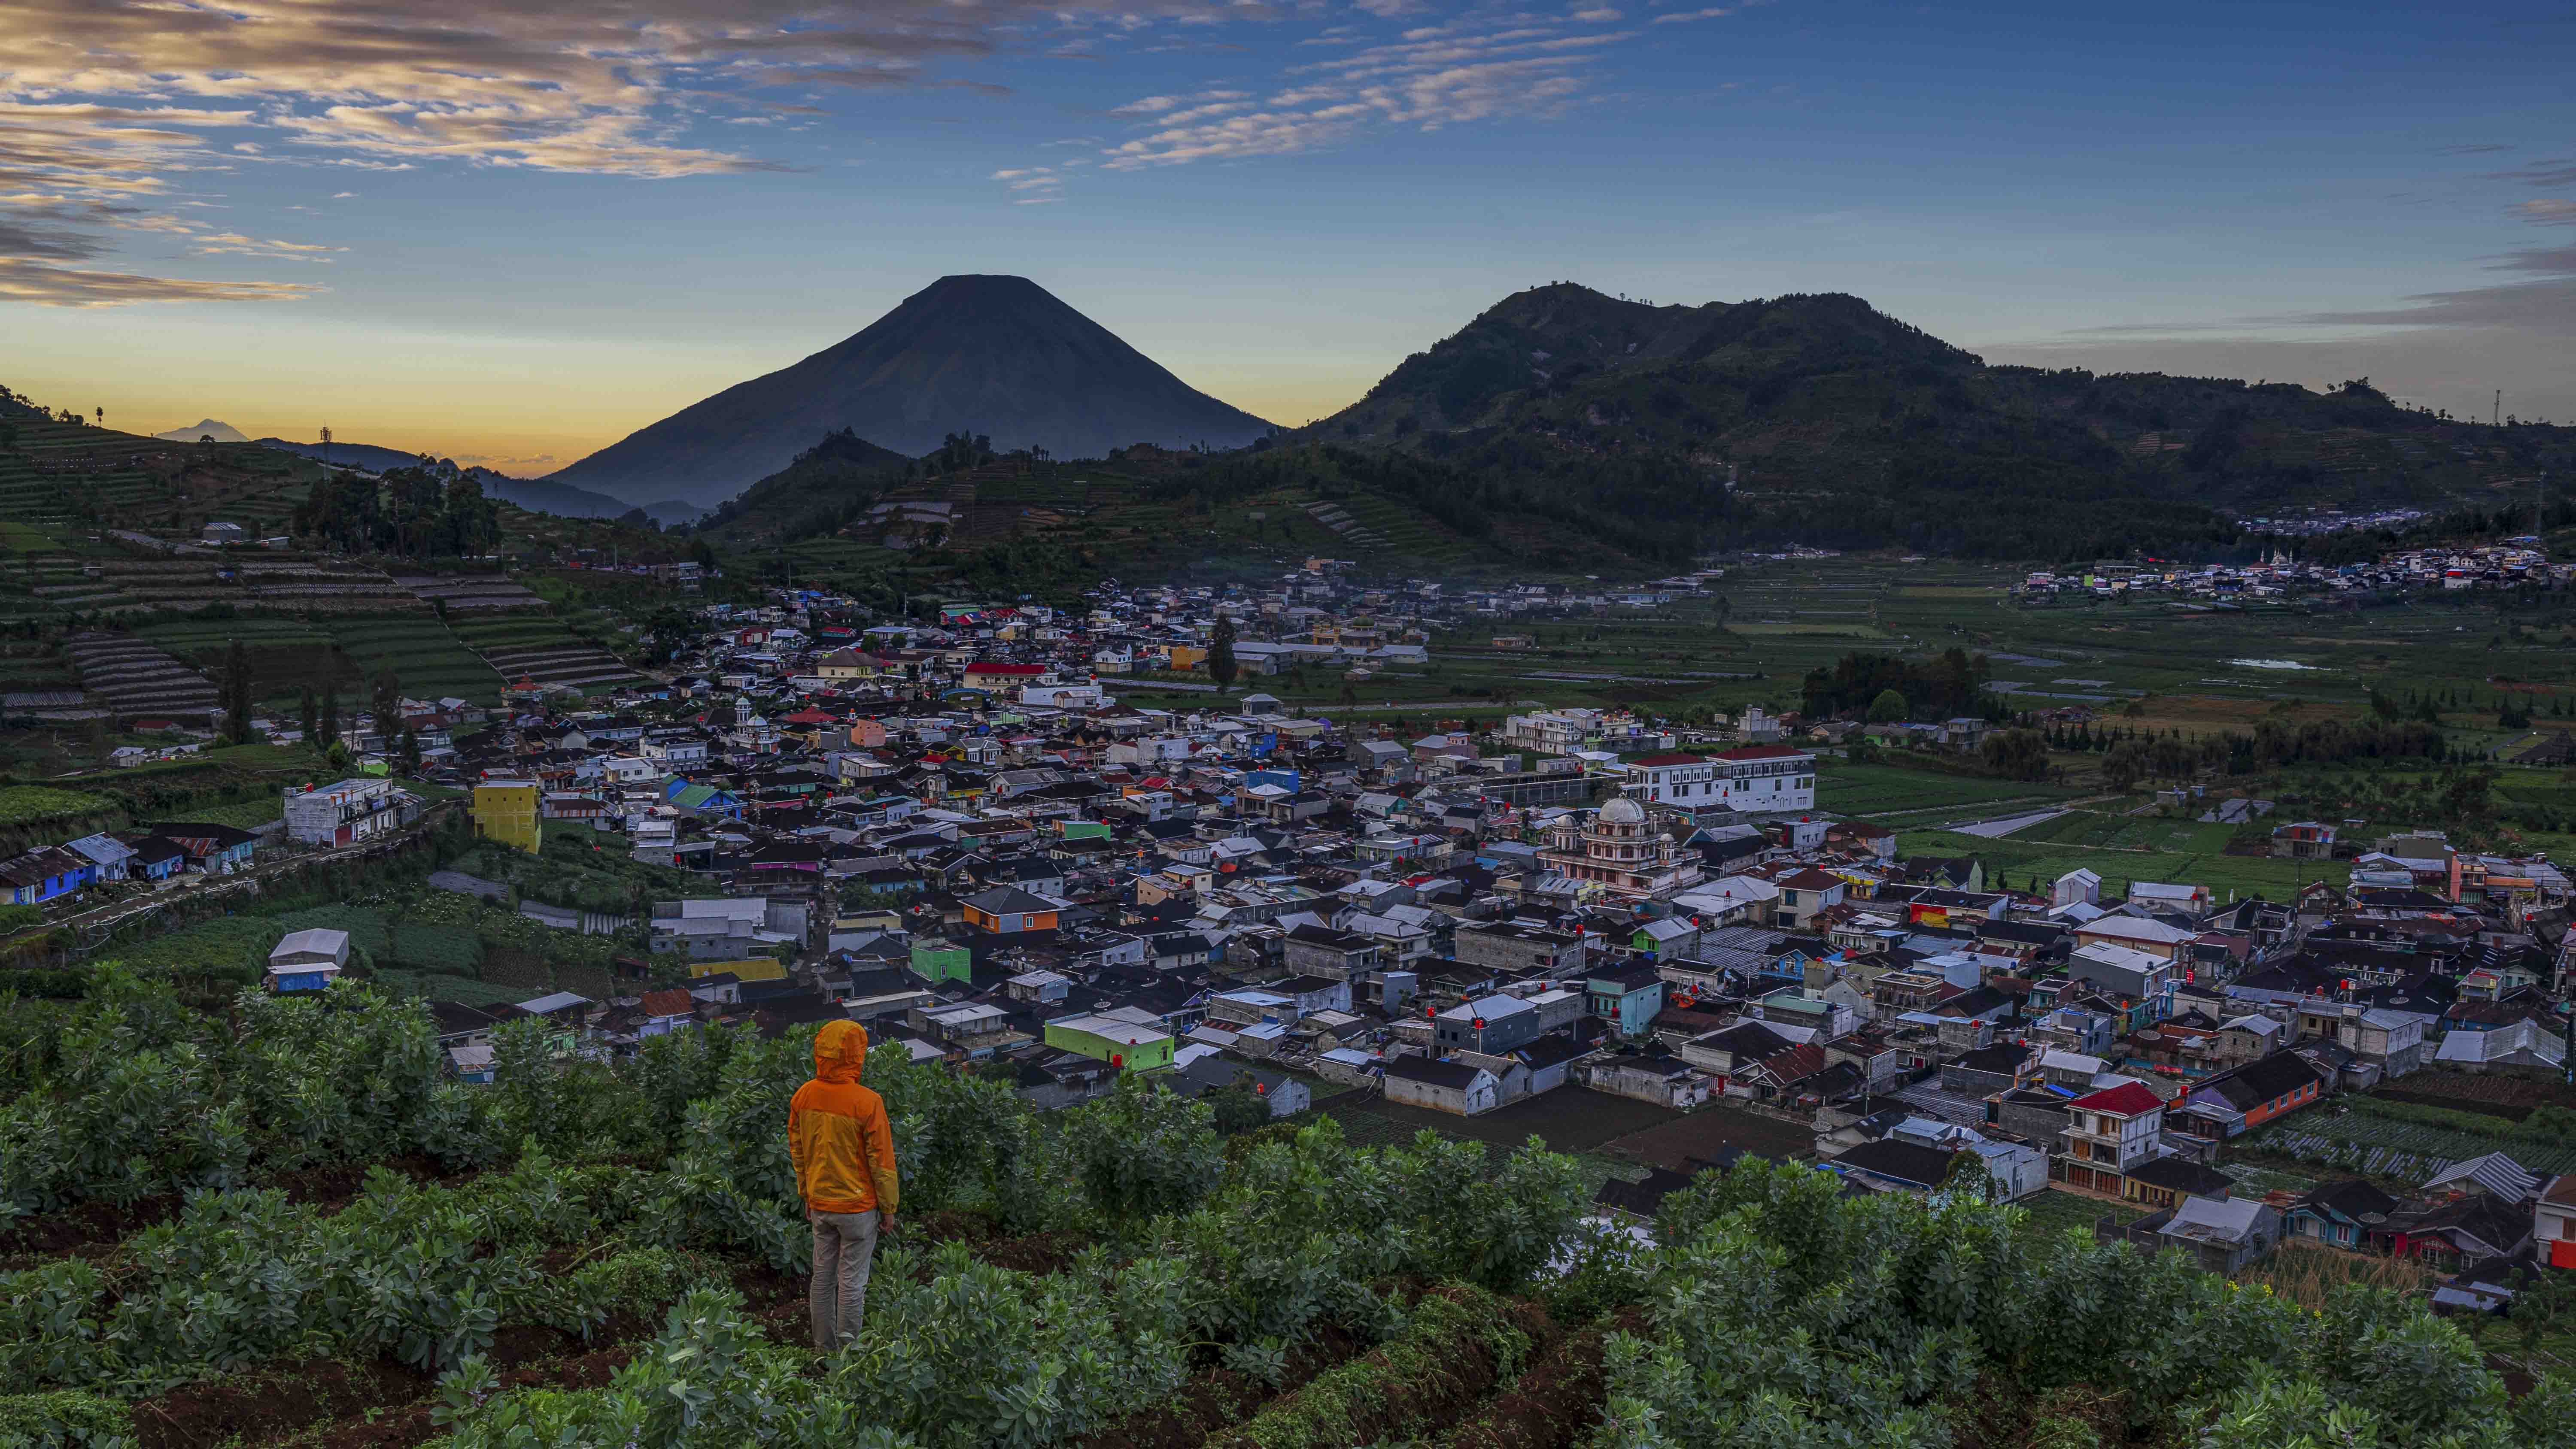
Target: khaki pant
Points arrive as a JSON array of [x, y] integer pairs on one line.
[[845, 1245]]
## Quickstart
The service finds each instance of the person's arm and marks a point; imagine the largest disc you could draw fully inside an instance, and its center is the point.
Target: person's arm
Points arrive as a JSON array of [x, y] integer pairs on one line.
[[881, 1165], [796, 1155]]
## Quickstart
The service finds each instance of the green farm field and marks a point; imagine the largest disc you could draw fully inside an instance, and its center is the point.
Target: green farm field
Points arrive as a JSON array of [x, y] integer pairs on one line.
[[2010, 860], [1844, 787]]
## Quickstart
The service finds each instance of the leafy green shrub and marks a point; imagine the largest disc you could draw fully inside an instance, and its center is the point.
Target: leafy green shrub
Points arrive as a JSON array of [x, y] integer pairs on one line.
[[64, 1419], [233, 948]]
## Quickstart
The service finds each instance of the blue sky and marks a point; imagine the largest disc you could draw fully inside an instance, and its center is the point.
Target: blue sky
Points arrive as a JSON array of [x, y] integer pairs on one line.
[[515, 231]]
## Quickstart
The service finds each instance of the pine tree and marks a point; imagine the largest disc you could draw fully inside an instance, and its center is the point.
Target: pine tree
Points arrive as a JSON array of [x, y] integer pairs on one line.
[[1220, 661], [305, 706], [388, 698], [410, 751], [328, 732], [236, 694]]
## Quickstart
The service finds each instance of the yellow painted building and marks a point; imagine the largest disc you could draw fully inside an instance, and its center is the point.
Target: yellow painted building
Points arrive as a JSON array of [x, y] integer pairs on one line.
[[508, 811]]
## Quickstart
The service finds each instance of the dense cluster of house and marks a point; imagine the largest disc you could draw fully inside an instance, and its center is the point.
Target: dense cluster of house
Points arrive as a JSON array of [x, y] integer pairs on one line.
[[2516, 563], [161, 851], [958, 835], [1067, 889]]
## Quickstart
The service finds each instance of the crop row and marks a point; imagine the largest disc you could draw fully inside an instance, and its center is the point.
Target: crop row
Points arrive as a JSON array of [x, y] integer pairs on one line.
[[2406, 1150]]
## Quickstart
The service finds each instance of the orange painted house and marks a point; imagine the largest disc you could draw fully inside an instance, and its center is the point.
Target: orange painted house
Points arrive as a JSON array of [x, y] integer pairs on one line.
[[2260, 1090]]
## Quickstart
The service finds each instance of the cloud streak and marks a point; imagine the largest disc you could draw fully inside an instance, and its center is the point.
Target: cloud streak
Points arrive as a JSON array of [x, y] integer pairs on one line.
[[1428, 77], [24, 279]]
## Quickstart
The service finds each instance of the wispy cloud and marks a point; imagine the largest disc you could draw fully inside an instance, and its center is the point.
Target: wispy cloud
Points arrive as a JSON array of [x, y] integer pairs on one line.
[[1479, 68], [25, 279], [2545, 301]]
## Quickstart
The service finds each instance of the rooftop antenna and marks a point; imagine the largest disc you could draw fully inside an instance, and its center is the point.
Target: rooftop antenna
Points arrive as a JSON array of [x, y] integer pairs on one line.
[[2497, 419]]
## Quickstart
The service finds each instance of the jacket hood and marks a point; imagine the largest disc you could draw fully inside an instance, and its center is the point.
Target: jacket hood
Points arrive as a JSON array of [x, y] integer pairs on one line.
[[840, 1051]]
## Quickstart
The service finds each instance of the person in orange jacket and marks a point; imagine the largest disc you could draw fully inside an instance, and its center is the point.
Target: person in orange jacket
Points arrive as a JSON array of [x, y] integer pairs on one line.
[[844, 1153]]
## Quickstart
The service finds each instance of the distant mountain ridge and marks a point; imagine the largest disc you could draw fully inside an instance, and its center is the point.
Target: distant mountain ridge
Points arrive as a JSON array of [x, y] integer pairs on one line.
[[993, 355], [1819, 419], [534, 494]]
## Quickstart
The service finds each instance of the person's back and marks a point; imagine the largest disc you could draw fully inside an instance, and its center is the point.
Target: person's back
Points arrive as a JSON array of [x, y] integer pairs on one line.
[[845, 1170]]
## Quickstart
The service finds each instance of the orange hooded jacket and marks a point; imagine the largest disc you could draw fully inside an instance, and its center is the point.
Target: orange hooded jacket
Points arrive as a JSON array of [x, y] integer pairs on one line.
[[837, 1132]]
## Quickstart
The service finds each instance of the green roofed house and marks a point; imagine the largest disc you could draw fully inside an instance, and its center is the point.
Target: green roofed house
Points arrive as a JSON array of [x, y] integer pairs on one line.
[[937, 961], [1127, 1038]]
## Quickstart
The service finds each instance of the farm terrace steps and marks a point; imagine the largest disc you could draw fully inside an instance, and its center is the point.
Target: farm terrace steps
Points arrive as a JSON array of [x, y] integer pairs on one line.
[[135, 678], [470, 592], [563, 660]]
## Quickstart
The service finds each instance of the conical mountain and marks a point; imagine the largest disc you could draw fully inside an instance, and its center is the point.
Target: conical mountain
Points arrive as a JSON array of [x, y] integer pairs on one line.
[[1001, 356], [219, 431]]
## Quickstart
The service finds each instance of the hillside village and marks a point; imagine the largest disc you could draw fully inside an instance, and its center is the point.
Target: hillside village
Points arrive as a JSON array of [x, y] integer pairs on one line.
[[957, 834], [2516, 563]]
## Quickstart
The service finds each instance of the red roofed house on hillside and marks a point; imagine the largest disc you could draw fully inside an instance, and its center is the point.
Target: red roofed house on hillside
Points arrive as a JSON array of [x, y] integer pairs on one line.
[[666, 1011], [2109, 1134]]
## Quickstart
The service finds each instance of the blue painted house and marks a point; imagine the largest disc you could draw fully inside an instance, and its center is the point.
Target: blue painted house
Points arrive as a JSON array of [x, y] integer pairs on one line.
[[212, 849], [2339, 1214], [308, 960], [1628, 997], [704, 799], [44, 873], [155, 858]]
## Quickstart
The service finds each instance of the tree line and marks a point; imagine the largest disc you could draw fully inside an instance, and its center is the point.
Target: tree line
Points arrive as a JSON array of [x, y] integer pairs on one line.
[[422, 511]]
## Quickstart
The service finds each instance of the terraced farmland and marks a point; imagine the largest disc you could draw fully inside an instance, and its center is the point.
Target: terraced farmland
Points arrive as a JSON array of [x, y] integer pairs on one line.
[[427, 656], [470, 591], [541, 651], [285, 654], [65, 472], [136, 678], [2360, 1141]]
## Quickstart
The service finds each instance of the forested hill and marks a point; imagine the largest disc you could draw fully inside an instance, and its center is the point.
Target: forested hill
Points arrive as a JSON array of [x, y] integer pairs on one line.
[[1842, 426], [821, 491]]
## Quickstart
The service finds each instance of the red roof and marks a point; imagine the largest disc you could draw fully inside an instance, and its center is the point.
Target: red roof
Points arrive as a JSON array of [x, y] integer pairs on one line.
[[1006, 669], [1760, 752], [1657, 762], [2127, 1100]]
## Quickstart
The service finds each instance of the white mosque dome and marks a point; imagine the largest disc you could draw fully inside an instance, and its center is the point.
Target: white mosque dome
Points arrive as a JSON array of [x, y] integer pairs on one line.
[[1623, 811]]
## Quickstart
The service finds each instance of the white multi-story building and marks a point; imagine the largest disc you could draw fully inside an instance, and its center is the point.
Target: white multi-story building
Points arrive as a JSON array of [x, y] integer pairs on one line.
[[1756, 780], [1550, 732], [349, 811]]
